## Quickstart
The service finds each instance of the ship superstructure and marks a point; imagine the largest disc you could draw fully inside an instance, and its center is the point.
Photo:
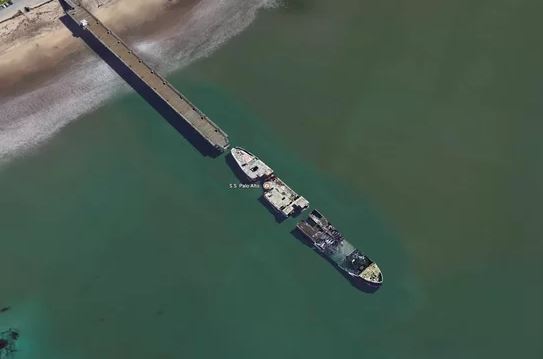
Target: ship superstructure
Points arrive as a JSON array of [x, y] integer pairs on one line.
[[251, 166], [277, 194], [331, 243], [282, 198]]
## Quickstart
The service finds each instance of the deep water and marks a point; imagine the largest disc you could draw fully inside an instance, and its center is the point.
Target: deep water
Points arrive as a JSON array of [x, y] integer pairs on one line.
[[414, 126]]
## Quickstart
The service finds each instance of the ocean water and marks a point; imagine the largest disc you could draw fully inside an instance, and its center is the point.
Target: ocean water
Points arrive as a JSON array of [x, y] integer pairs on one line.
[[413, 126]]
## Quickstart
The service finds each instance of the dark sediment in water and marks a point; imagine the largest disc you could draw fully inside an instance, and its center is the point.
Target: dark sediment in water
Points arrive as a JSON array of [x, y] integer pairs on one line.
[[8, 341]]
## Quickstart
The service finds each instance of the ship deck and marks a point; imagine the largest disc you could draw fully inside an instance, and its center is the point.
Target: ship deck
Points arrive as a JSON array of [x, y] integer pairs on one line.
[[307, 229], [283, 198]]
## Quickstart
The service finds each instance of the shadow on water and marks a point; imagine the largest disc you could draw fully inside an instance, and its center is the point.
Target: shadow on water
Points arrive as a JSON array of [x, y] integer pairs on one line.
[[273, 212], [358, 284], [141, 88]]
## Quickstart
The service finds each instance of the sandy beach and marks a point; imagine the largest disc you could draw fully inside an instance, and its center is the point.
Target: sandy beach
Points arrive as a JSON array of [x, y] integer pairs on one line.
[[48, 78], [35, 44]]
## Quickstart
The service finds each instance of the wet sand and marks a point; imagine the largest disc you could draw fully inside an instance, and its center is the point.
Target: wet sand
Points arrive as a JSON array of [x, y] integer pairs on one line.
[[37, 46]]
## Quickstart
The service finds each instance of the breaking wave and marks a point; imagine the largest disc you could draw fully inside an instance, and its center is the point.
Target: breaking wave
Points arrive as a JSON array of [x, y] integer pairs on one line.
[[32, 118]]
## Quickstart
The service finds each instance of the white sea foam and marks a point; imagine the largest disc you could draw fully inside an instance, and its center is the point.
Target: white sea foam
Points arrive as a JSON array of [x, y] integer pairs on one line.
[[32, 118]]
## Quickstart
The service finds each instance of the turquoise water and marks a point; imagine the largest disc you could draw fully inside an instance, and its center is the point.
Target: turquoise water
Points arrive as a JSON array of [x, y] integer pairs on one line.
[[413, 126]]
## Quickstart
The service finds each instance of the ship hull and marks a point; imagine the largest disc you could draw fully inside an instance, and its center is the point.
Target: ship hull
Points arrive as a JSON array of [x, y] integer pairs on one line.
[[283, 199], [329, 243], [252, 167], [351, 276]]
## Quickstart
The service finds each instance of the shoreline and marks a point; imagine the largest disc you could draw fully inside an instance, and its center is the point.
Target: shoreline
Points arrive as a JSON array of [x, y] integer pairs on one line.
[[46, 93], [39, 47]]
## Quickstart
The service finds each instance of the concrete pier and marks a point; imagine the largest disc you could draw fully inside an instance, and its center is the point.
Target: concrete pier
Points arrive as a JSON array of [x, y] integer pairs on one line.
[[172, 98]]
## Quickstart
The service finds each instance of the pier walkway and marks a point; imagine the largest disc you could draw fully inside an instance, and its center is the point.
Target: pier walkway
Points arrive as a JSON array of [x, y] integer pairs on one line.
[[160, 86]]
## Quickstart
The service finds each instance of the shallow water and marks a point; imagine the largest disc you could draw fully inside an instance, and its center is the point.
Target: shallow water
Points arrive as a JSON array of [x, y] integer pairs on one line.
[[413, 127]]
